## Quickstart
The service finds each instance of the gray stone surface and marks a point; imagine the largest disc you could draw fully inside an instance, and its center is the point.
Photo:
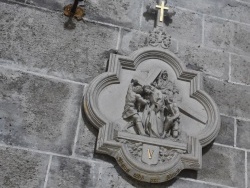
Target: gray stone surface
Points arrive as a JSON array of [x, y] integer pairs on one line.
[[124, 13], [221, 165], [206, 60], [21, 1], [228, 9], [243, 134], [179, 183], [248, 167], [226, 134], [240, 69], [231, 99], [6, 25], [56, 5], [132, 40], [229, 36], [247, 1], [121, 12], [113, 177], [38, 113], [184, 25], [39, 42], [22, 169], [67, 173], [85, 145]]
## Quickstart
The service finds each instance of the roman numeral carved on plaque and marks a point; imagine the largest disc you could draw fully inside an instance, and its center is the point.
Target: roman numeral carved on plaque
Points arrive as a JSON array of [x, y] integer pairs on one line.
[[150, 153]]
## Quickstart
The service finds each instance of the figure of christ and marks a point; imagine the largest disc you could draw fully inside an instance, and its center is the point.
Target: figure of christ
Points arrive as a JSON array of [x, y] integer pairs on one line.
[[153, 114], [171, 110], [133, 103]]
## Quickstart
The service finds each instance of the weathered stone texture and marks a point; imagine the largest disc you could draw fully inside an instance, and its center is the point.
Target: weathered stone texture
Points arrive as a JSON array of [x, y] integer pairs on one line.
[[248, 167], [247, 1], [42, 113], [39, 42], [240, 68], [85, 145], [229, 36], [243, 134], [6, 25], [21, 1], [179, 183], [184, 25], [56, 5], [132, 40], [206, 60], [221, 165], [124, 13], [22, 169], [226, 134], [112, 177], [118, 12], [38, 113], [228, 9], [67, 173], [231, 99]]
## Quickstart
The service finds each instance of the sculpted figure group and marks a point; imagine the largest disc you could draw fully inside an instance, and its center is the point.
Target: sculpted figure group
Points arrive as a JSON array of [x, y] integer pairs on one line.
[[150, 108]]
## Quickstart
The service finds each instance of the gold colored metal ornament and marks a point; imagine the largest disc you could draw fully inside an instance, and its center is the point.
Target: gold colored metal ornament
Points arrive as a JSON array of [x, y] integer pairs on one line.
[[150, 153], [162, 7], [79, 13]]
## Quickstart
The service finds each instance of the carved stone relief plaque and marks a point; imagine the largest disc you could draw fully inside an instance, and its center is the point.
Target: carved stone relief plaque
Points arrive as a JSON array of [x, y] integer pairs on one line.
[[152, 114]]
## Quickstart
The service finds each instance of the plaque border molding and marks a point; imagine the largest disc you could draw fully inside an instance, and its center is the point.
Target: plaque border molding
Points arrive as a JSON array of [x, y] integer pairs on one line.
[[106, 143]]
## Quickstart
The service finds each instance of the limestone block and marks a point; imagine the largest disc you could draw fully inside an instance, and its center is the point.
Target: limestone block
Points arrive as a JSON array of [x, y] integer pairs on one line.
[[85, 145], [132, 40], [184, 25], [39, 42], [209, 61], [240, 69], [66, 173], [226, 134], [56, 5], [243, 134], [188, 184], [248, 166], [226, 35], [38, 113], [228, 9], [121, 12], [6, 25], [113, 176], [221, 165], [22, 169], [231, 99], [124, 13]]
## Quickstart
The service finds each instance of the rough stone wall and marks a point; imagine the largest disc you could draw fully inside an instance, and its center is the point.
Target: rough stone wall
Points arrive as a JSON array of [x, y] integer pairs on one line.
[[44, 69]]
